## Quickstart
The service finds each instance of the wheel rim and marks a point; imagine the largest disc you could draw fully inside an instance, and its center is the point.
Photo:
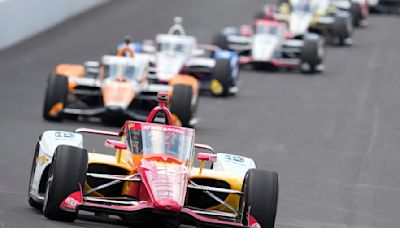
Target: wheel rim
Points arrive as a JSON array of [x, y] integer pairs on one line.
[[34, 162], [49, 183]]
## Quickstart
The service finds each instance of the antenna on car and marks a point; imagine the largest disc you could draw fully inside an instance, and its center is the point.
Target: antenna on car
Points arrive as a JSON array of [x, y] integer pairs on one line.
[[177, 28], [162, 98]]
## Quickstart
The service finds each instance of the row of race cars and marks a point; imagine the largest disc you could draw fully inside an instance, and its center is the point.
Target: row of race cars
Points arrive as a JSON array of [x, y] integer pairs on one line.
[[154, 86]]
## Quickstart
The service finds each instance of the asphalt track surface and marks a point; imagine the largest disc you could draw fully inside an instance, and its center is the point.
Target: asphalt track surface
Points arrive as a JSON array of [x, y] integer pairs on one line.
[[334, 138]]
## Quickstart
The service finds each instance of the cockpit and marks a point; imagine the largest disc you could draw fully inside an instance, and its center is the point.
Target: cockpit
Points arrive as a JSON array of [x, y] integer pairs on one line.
[[124, 67], [157, 139], [271, 28]]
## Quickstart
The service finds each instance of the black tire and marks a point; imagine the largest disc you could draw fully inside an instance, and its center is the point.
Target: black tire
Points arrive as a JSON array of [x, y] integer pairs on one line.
[[355, 11], [221, 41], [222, 75], [181, 103], [263, 66], [56, 92], [309, 58], [31, 201], [341, 30], [259, 15], [261, 191], [68, 171]]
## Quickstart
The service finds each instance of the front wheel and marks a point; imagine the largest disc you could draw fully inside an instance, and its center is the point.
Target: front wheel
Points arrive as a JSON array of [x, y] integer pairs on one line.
[[55, 97], [341, 30], [220, 40], [181, 103], [311, 56], [67, 175], [260, 202], [356, 14], [221, 82]]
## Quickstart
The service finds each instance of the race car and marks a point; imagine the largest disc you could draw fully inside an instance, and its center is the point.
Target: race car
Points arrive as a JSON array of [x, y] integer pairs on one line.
[[116, 89], [176, 52], [151, 178], [316, 16], [357, 8], [384, 6], [268, 43]]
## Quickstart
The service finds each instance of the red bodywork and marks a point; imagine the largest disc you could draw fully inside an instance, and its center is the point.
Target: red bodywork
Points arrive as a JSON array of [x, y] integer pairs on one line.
[[162, 190]]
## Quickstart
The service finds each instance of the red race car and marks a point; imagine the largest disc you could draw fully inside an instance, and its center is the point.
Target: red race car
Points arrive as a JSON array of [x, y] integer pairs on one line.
[[151, 178]]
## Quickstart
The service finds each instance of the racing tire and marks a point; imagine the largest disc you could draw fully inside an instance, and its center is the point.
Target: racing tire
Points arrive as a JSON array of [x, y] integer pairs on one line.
[[221, 41], [355, 11], [341, 30], [261, 191], [259, 15], [309, 58], [263, 66], [181, 103], [221, 78], [31, 201], [67, 175], [56, 92]]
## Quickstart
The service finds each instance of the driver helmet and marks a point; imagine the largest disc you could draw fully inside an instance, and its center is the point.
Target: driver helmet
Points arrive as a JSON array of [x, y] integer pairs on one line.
[[126, 47]]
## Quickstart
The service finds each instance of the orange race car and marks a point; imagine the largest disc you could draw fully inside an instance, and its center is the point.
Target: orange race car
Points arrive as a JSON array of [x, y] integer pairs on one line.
[[116, 89]]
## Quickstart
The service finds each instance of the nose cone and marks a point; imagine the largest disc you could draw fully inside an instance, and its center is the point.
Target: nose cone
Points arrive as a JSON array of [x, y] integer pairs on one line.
[[118, 94], [299, 23], [168, 205], [263, 47], [168, 65], [166, 183]]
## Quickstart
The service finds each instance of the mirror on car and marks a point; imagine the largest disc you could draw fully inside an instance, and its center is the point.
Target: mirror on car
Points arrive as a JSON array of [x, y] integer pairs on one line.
[[204, 147], [114, 144], [197, 52], [92, 67], [148, 46], [207, 157]]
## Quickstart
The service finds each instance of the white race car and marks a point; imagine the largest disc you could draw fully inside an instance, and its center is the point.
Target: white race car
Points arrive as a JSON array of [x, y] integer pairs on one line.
[[177, 53], [270, 43]]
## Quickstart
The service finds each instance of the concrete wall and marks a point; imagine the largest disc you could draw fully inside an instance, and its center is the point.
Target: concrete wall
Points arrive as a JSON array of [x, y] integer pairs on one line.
[[21, 19]]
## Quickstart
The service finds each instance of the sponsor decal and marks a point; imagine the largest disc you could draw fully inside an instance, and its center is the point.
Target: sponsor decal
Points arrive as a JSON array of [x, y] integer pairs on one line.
[[72, 201], [163, 128], [234, 158], [60, 134], [42, 159]]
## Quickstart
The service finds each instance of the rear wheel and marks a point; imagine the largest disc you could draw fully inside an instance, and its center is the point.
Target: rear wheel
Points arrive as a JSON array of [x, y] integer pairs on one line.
[[221, 41], [55, 97], [355, 11], [67, 175], [260, 200], [221, 82], [341, 30], [181, 103], [310, 56]]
